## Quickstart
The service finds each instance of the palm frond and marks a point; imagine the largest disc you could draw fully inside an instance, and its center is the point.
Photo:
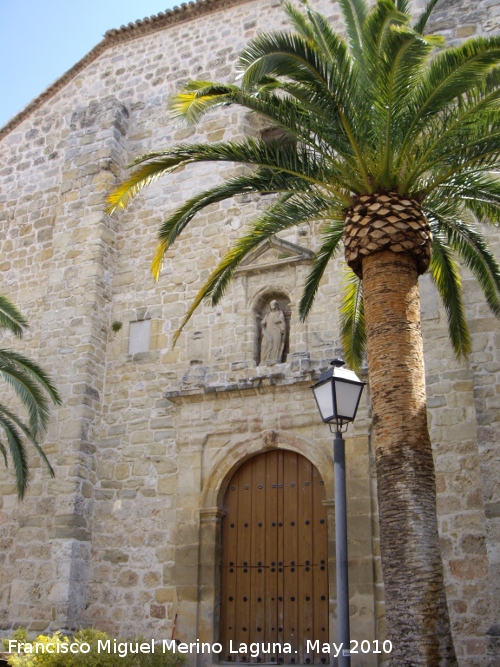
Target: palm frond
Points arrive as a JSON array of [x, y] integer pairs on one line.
[[477, 158], [27, 432], [403, 61], [11, 318], [18, 453], [263, 181], [298, 21], [403, 6], [31, 385], [282, 55], [376, 31], [451, 73], [293, 57], [3, 451], [36, 372], [197, 98], [287, 212], [445, 274], [472, 249], [484, 210], [354, 13], [149, 172], [35, 390], [332, 239], [474, 191], [352, 321], [460, 124], [421, 22]]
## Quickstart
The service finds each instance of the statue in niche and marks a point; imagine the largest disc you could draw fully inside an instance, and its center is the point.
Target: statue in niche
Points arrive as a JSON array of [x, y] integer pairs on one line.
[[273, 335]]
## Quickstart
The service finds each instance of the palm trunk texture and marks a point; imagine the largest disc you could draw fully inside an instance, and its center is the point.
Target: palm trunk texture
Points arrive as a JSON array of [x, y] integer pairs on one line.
[[417, 614]]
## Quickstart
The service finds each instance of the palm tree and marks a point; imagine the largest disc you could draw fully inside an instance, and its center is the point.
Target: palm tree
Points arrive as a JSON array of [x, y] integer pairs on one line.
[[33, 389], [391, 140]]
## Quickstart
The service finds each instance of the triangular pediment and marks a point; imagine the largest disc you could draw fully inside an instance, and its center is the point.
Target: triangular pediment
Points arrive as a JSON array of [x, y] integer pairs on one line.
[[272, 254]]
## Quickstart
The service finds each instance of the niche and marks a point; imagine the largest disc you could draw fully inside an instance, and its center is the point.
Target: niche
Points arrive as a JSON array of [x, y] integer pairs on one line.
[[272, 318]]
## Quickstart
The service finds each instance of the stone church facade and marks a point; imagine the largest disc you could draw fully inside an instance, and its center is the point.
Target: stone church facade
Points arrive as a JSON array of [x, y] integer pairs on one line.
[[149, 438]]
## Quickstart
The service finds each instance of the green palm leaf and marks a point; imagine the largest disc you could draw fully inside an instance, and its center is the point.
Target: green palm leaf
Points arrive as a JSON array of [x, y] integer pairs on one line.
[[352, 321], [445, 274], [472, 249], [354, 13], [35, 391], [422, 20], [451, 73], [31, 385], [10, 317], [17, 451], [332, 239], [14, 429]]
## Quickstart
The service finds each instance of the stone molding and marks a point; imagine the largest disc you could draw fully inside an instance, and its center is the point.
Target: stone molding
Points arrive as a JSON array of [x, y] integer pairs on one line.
[[140, 28], [292, 254], [298, 371], [224, 465]]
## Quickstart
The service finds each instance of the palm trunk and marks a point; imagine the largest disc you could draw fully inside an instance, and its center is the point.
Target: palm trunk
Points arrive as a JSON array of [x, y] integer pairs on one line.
[[417, 614]]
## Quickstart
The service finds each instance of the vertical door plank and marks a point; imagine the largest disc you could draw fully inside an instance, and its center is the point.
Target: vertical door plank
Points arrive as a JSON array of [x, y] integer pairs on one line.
[[305, 514], [243, 557], [258, 581], [320, 560], [290, 552], [281, 550], [271, 537], [229, 570]]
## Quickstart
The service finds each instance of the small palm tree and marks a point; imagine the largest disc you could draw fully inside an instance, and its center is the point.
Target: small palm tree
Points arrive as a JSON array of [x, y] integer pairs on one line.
[[33, 388], [393, 141]]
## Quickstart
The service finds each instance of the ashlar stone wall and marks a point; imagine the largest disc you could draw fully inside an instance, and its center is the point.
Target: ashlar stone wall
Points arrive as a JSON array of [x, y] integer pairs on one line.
[[127, 536]]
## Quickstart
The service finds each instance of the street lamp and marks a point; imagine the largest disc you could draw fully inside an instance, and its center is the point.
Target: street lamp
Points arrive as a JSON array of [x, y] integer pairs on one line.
[[337, 394]]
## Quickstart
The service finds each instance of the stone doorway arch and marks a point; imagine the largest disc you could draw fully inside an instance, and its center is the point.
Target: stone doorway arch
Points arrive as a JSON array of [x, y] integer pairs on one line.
[[274, 565], [222, 468]]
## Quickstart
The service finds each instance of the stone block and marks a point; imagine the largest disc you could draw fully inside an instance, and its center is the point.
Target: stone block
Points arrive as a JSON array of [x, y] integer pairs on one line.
[[469, 569], [157, 611], [167, 485], [163, 595], [115, 556], [127, 578]]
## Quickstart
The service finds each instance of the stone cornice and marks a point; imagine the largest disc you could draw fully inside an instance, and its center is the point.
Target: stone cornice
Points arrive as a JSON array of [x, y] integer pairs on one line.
[[273, 254], [186, 12], [258, 384]]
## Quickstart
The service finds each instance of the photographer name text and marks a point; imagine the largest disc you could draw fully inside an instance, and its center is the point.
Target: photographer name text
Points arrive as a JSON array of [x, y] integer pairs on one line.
[[122, 649]]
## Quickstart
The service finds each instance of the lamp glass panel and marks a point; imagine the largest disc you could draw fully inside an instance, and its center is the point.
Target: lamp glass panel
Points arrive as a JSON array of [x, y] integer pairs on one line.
[[324, 398], [347, 398]]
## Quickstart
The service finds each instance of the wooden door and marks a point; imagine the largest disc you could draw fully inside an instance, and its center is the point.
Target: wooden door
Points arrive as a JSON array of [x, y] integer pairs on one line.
[[274, 584]]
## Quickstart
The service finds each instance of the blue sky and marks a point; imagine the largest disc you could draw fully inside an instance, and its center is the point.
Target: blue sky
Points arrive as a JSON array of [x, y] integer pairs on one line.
[[41, 39]]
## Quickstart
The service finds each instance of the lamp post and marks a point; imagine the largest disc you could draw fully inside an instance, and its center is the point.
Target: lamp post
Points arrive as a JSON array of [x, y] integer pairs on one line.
[[337, 394]]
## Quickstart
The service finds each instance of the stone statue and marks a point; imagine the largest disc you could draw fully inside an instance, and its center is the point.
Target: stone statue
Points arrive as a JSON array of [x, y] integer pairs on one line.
[[273, 334]]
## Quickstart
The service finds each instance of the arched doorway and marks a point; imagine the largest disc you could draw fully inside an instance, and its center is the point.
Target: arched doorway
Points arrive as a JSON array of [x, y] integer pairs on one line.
[[274, 583]]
